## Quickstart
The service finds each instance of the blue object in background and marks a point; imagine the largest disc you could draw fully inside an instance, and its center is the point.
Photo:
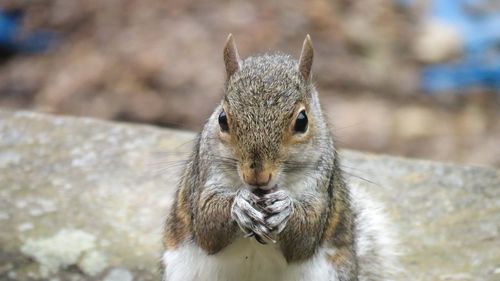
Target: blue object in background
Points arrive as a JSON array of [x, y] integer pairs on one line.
[[479, 26], [14, 40]]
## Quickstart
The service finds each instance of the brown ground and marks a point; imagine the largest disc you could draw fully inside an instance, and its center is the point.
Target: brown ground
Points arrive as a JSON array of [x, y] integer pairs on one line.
[[159, 62]]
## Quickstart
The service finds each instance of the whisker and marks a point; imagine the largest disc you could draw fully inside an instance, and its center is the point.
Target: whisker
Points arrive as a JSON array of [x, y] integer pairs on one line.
[[362, 178]]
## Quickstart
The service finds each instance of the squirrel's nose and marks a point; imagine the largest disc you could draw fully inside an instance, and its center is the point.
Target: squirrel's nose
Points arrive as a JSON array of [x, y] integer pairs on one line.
[[258, 179]]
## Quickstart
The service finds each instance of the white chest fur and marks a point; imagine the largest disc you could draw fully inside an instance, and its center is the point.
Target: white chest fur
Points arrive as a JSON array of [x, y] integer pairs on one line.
[[243, 260]]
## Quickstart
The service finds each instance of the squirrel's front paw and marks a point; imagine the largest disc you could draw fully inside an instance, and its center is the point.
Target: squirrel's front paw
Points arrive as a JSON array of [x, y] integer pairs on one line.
[[279, 208], [249, 216]]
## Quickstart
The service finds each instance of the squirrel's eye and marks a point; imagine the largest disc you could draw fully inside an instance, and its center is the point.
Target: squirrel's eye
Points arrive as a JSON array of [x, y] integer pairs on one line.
[[223, 121], [301, 122]]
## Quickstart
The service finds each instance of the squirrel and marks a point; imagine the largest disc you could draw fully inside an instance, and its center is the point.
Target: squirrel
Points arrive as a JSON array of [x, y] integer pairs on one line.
[[263, 195]]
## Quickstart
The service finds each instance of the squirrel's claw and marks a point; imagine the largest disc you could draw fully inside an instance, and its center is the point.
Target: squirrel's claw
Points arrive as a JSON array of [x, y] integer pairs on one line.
[[260, 240], [268, 237]]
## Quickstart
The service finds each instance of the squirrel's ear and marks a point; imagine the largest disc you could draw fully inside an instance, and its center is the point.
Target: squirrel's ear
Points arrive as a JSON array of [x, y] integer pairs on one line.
[[306, 58], [231, 57]]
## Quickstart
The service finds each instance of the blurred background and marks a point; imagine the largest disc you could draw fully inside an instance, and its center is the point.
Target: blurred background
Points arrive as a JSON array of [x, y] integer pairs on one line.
[[414, 78]]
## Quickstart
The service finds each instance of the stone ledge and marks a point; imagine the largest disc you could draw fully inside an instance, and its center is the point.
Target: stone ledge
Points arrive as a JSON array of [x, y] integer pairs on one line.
[[83, 199]]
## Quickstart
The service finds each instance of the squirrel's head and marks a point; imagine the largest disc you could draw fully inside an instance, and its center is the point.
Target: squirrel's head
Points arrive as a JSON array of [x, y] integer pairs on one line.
[[267, 116]]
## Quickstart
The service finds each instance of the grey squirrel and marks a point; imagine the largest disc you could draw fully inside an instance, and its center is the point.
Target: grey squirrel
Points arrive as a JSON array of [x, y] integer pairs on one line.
[[263, 196]]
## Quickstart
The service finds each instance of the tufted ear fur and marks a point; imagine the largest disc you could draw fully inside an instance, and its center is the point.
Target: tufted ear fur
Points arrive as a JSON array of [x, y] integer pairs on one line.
[[231, 57], [306, 58]]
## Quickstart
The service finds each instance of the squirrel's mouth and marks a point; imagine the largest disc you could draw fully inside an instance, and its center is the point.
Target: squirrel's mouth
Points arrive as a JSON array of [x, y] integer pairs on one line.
[[260, 192]]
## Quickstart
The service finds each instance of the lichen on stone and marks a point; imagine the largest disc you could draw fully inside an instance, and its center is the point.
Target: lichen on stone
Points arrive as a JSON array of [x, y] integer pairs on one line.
[[9, 158], [119, 274], [25, 226], [67, 247], [93, 263]]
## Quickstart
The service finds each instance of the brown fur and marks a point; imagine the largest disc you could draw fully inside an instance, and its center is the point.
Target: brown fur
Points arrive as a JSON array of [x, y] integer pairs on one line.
[[214, 234]]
